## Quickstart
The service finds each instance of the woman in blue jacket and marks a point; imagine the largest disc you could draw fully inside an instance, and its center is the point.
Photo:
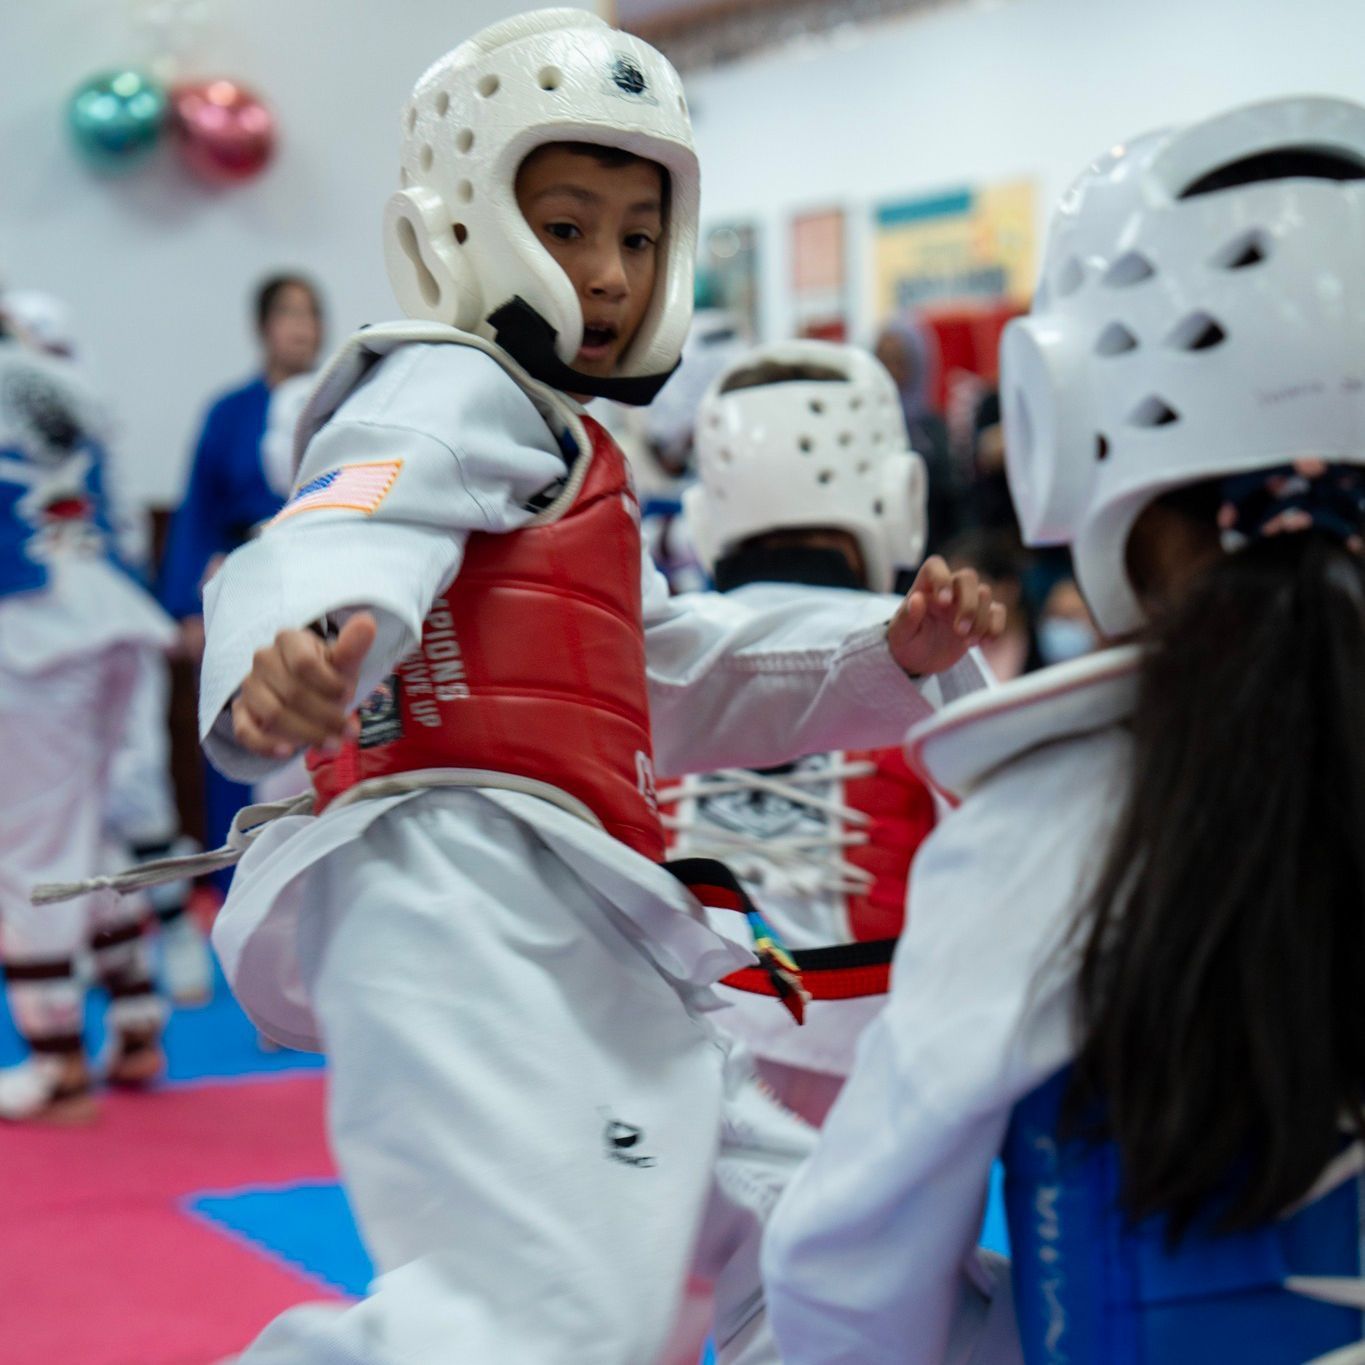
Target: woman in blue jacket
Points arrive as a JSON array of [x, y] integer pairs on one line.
[[228, 494]]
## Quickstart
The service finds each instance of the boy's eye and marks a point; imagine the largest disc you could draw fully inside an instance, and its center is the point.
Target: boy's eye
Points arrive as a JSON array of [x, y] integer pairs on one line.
[[566, 232], [639, 241]]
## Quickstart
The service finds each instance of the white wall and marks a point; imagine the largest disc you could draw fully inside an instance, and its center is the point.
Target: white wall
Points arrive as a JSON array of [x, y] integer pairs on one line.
[[157, 268], [989, 91]]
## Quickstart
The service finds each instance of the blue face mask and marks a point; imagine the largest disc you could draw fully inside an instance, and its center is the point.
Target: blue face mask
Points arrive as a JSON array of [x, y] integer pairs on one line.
[[1061, 639]]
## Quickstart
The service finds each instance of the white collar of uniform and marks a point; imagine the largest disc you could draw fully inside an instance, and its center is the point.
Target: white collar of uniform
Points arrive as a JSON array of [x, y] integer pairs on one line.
[[958, 747]]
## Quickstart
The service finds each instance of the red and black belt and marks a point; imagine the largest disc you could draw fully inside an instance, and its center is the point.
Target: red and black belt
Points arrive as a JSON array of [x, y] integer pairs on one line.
[[841, 973]]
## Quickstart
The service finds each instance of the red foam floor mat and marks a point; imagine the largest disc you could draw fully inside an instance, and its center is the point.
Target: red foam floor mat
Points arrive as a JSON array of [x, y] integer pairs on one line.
[[100, 1265]]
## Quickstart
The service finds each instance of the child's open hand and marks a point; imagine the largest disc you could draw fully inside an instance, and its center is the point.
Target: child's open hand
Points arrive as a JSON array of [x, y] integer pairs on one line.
[[944, 614], [300, 689]]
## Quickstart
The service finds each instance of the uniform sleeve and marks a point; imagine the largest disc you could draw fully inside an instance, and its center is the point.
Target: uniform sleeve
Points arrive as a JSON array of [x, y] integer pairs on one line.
[[437, 443], [871, 1256], [198, 530], [732, 684]]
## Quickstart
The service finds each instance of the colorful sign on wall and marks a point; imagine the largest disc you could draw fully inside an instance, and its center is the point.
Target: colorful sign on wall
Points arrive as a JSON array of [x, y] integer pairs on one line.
[[820, 275], [973, 243]]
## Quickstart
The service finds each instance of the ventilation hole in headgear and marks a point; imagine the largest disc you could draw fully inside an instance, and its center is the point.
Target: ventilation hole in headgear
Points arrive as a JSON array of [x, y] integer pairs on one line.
[[864, 466], [1153, 412], [682, 105], [876, 438], [550, 77], [465, 190], [461, 233], [426, 156], [816, 406], [442, 104], [806, 444], [1279, 163], [1130, 268], [845, 438], [1249, 248], [410, 117], [489, 85], [1070, 277], [464, 140], [1115, 340], [1101, 446], [878, 508], [426, 281], [855, 402], [825, 476], [1198, 332]]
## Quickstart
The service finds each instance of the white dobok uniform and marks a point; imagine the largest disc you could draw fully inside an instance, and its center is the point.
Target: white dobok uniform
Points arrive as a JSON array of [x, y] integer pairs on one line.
[[529, 1109], [77, 637]]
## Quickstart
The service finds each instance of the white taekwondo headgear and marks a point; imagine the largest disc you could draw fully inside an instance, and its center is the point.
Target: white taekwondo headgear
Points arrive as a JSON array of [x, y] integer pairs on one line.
[[1201, 313], [459, 250], [829, 451], [42, 319]]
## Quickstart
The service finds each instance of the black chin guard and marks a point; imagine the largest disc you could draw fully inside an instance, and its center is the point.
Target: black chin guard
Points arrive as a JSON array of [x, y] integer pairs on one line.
[[815, 566], [530, 341]]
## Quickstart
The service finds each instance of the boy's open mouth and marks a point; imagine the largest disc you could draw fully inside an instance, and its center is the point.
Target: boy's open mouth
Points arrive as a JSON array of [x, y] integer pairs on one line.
[[598, 339]]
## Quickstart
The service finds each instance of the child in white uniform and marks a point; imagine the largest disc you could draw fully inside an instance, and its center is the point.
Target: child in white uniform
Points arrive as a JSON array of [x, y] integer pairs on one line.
[[525, 1102], [809, 492], [75, 636], [1135, 964]]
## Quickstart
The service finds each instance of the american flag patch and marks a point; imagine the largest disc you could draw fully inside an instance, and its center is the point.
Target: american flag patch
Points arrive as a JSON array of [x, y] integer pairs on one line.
[[352, 487]]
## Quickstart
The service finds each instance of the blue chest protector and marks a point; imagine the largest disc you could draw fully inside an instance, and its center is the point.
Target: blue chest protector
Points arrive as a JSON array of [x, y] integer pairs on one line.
[[1093, 1289], [37, 502]]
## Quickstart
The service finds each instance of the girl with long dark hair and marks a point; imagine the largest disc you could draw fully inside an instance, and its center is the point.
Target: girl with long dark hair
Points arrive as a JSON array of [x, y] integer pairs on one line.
[[1136, 966]]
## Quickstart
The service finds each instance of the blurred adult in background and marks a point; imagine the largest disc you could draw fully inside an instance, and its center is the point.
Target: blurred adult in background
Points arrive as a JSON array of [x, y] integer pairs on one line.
[[908, 350], [229, 494], [1066, 630], [990, 493], [1000, 559]]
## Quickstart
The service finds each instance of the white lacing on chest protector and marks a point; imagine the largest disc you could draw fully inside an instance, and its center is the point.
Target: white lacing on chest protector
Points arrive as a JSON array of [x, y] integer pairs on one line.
[[802, 862]]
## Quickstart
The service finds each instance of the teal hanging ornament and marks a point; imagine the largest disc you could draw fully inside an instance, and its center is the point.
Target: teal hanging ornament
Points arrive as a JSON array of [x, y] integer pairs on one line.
[[116, 118]]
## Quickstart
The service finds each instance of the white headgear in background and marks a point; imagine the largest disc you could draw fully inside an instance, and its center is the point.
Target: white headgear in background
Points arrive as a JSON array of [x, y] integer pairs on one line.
[[459, 250], [42, 320], [808, 452], [1201, 313]]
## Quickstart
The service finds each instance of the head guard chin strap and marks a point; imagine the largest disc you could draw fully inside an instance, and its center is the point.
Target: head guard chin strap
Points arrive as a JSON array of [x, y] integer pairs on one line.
[[815, 566], [530, 341]]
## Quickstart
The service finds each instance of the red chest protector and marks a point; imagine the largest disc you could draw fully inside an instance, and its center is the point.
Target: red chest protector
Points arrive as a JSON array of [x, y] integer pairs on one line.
[[531, 666], [900, 812]]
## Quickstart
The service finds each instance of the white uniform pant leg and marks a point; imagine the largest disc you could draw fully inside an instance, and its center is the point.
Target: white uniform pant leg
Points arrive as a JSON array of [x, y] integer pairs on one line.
[[140, 808], [524, 1113], [762, 1144], [56, 731]]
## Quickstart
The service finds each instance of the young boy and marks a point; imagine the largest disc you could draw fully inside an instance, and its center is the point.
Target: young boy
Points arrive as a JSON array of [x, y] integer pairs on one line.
[[808, 493], [524, 1103]]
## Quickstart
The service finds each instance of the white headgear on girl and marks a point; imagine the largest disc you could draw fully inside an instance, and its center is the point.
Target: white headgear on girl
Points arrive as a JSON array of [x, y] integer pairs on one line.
[[1201, 313], [459, 250], [833, 451]]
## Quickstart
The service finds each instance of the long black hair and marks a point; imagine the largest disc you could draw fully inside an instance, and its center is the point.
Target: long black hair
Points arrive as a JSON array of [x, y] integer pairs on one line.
[[1223, 948]]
